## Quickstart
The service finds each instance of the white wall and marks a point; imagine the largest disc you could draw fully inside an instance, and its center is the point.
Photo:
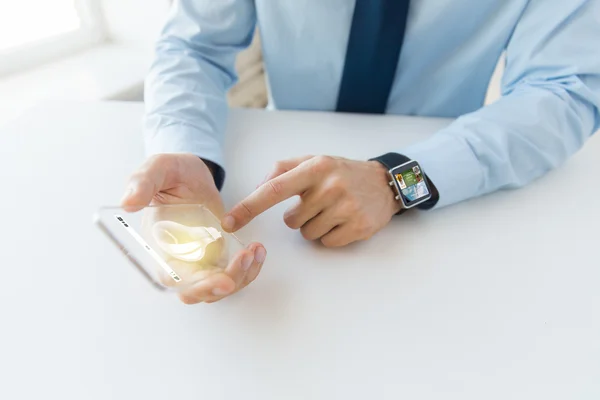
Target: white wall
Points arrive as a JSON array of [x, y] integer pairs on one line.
[[135, 22]]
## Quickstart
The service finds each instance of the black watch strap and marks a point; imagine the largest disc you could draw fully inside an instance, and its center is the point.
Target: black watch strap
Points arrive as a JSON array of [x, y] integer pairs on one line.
[[392, 160], [217, 172]]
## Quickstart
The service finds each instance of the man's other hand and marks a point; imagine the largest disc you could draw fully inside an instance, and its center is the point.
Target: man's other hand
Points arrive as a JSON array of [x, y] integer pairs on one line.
[[341, 200]]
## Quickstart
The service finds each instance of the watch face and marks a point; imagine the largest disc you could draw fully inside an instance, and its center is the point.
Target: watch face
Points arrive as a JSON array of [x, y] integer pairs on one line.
[[411, 183]]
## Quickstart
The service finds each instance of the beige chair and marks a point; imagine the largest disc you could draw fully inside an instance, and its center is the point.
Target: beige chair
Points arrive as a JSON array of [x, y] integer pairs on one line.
[[250, 91]]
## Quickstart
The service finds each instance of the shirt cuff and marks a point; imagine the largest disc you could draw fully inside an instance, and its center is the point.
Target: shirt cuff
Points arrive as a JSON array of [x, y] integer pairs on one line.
[[179, 139], [450, 164]]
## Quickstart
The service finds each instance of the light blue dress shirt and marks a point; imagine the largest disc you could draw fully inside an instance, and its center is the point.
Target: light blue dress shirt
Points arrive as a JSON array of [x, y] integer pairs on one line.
[[551, 86]]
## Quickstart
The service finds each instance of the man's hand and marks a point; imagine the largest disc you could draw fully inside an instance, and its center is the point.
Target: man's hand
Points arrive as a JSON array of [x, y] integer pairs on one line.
[[341, 200], [185, 179]]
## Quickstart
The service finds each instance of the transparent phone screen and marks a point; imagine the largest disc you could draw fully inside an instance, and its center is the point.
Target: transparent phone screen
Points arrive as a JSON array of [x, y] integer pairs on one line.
[[174, 246]]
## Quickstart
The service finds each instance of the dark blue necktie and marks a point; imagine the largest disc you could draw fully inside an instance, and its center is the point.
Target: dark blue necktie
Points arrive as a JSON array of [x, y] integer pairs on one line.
[[374, 46]]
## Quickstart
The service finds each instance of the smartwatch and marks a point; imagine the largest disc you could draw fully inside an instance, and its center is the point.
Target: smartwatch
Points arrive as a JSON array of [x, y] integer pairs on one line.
[[409, 183]]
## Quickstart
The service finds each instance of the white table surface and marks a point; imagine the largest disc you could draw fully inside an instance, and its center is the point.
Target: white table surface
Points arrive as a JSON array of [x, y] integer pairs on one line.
[[495, 298]]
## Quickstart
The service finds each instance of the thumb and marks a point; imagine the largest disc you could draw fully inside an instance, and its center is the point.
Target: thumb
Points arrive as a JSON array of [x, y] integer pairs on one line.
[[145, 184], [139, 194]]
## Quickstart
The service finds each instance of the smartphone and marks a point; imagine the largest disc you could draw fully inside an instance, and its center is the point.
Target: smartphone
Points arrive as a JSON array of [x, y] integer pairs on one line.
[[173, 246]]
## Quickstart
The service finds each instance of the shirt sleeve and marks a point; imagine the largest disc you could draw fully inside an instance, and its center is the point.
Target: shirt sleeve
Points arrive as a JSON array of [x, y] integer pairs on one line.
[[549, 107], [194, 66]]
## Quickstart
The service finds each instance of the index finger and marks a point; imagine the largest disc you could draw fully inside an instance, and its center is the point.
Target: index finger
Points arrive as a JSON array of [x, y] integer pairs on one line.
[[270, 193]]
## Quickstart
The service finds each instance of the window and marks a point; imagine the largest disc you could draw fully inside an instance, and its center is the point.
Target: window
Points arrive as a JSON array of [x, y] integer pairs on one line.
[[36, 31]]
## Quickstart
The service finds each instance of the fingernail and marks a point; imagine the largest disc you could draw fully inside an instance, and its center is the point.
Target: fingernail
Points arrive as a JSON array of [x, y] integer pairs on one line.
[[220, 291], [247, 262], [260, 254], [228, 223], [128, 193]]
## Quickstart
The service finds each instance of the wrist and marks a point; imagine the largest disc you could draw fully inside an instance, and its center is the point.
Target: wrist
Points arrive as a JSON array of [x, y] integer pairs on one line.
[[392, 205]]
